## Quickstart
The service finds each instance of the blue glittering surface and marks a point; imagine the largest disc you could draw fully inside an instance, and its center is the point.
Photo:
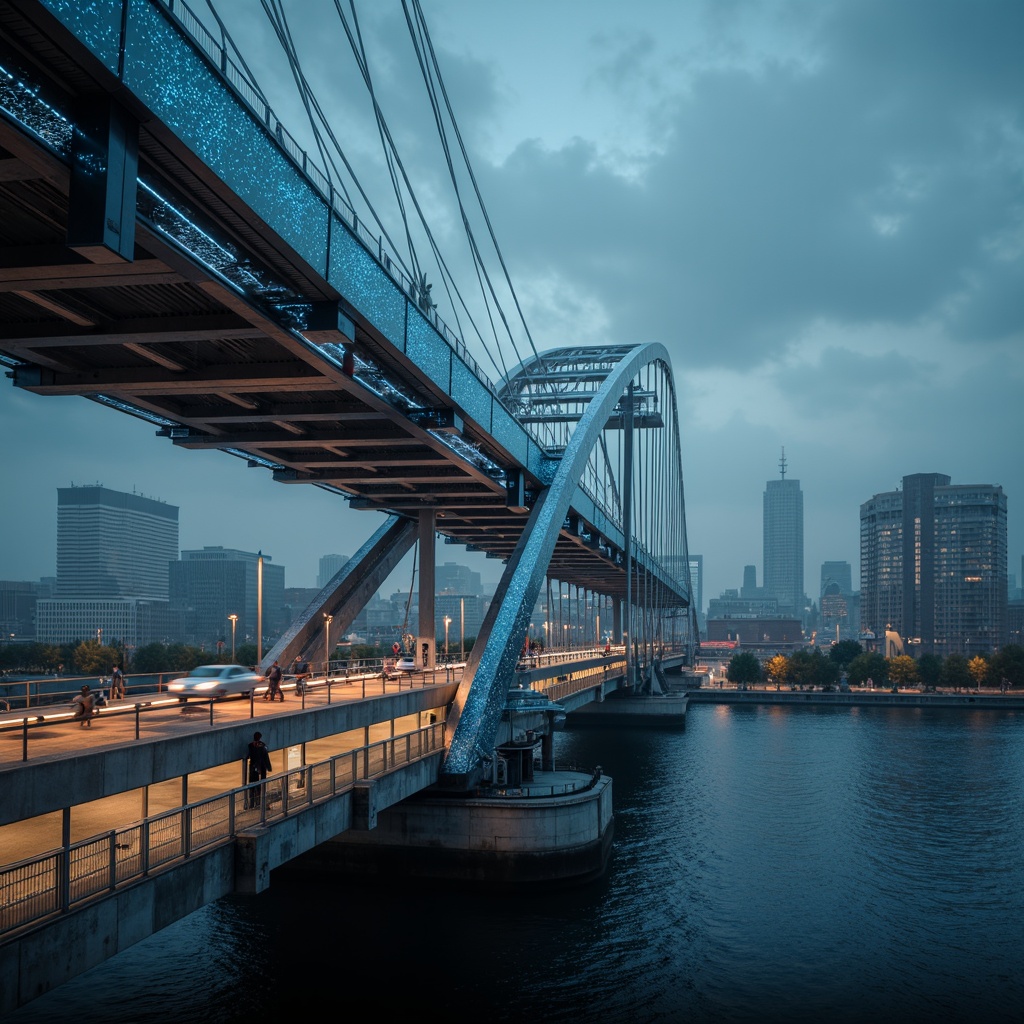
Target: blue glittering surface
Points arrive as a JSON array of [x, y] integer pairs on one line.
[[97, 23], [171, 78], [358, 276]]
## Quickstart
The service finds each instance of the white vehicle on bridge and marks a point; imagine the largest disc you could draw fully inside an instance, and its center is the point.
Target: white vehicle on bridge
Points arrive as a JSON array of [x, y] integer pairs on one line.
[[215, 681]]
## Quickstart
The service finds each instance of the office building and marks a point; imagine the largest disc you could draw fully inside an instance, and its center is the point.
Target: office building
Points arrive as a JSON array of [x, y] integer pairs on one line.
[[784, 543], [113, 551], [111, 544], [839, 573], [456, 579], [329, 566], [210, 584], [933, 565]]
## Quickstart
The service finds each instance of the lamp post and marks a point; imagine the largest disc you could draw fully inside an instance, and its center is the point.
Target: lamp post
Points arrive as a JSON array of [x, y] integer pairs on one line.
[[234, 624], [259, 607], [447, 623], [328, 619], [462, 629]]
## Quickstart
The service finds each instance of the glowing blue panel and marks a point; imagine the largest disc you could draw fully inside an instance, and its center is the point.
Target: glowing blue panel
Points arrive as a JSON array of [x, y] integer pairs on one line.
[[470, 395], [363, 282], [96, 23], [426, 348], [164, 70], [509, 433]]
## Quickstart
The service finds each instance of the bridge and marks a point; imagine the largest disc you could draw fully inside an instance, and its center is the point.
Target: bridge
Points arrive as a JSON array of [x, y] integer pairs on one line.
[[171, 253]]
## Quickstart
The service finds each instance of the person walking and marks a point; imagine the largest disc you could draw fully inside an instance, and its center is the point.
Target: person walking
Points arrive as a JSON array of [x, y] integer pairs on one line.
[[257, 765], [84, 705], [274, 683], [116, 683]]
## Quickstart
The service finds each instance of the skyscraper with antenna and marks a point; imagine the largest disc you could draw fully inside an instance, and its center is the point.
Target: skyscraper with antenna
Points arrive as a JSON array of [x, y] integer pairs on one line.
[[784, 542]]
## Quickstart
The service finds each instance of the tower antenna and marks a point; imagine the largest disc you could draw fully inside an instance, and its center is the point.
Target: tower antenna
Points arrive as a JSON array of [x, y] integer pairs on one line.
[[782, 463]]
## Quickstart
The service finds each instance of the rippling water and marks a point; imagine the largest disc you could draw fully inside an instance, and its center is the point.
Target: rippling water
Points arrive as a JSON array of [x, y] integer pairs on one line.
[[770, 864]]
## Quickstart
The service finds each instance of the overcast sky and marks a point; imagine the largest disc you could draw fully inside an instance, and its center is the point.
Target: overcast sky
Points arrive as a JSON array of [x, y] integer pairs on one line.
[[817, 207]]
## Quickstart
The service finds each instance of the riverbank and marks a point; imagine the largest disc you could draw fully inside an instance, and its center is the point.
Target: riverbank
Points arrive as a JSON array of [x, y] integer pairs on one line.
[[988, 699]]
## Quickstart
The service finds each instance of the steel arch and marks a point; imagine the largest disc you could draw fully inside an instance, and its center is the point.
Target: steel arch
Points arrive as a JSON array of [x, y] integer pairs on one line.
[[476, 711]]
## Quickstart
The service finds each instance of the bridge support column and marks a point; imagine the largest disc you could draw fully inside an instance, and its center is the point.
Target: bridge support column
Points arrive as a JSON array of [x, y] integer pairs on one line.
[[547, 752], [427, 640]]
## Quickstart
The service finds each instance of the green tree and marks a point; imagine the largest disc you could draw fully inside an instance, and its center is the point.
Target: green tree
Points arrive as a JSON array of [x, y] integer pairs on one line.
[[744, 669], [844, 652], [802, 669], [1008, 664], [929, 667], [903, 670], [245, 654], [868, 666], [955, 673], [92, 658]]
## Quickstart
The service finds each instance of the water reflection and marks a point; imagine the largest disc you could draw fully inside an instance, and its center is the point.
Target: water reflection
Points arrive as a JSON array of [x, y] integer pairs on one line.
[[769, 865]]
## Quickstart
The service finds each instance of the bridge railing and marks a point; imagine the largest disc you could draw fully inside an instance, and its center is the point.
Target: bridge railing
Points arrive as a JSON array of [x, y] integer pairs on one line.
[[63, 879], [36, 729]]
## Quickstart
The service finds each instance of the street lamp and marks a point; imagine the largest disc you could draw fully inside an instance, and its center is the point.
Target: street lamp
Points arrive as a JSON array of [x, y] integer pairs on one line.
[[447, 623], [234, 624], [328, 619], [259, 607]]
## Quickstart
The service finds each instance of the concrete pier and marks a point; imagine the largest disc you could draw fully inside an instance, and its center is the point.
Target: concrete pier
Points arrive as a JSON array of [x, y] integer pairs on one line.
[[556, 829], [660, 712]]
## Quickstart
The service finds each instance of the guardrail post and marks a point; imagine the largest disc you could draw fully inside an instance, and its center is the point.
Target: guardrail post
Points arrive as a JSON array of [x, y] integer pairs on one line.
[[24, 739], [186, 831], [112, 839], [138, 719], [65, 872]]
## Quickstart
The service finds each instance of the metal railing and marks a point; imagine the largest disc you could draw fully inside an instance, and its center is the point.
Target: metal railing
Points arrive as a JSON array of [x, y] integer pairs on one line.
[[63, 879], [311, 692]]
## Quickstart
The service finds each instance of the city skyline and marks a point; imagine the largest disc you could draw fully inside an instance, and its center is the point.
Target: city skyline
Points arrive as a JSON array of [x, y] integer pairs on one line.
[[816, 212]]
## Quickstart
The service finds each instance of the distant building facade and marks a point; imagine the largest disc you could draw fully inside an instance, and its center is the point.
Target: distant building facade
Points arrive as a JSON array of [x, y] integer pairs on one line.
[[934, 564], [836, 609], [113, 552], [329, 566], [783, 550], [18, 609], [208, 585]]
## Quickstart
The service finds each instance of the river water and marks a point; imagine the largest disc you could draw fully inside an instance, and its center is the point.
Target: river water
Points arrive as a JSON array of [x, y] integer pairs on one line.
[[770, 864]]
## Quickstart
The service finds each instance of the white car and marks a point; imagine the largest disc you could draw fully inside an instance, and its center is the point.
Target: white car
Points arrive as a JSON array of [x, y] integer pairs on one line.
[[406, 664], [216, 681]]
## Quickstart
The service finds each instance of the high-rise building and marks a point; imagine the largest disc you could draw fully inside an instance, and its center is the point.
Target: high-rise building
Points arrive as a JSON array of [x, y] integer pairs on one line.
[[784, 542], [933, 564], [113, 550], [213, 583], [113, 544], [839, 573], [329, 565], [836, 607], [456, 579]]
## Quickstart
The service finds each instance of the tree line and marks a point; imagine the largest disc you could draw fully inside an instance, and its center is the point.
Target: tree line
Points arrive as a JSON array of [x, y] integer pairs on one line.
[[811, 668], [89, 657]]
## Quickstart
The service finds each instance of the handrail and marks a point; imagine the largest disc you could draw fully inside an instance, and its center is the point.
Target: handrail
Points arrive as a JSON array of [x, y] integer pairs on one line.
[[62, 714], [63, 879]]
